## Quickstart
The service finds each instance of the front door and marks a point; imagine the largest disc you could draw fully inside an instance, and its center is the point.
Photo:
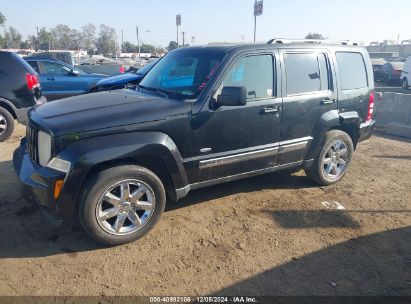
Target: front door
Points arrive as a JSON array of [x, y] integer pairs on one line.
[[232, 140]]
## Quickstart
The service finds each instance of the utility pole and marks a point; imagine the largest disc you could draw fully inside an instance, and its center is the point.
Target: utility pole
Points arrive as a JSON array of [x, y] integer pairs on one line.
[[184, 35], [255, 22], [138, 43], [37, 40], [178, 23], [122, 40]]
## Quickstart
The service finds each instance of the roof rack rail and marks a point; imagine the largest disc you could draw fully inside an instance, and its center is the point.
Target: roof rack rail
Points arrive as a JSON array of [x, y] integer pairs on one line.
[[318, 41]]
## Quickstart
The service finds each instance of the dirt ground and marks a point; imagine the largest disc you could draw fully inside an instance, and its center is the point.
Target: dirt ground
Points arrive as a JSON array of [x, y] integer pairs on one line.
[[268, 235]]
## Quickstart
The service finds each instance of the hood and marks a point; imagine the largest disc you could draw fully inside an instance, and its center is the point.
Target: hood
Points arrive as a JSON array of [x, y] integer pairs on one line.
[[104, 110], [119, 79]]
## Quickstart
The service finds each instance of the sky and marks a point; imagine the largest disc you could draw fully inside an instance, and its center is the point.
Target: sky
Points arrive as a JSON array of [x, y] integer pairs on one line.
[[219, 21]]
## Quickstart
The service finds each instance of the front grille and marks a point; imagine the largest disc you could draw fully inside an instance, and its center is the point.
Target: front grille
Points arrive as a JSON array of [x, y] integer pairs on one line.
[[31, 135]]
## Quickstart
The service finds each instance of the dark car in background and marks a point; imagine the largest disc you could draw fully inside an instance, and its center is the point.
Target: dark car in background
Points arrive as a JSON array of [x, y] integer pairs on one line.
[[377, 64], [60, 80], [127, 80], [19, 91], [392, 72]]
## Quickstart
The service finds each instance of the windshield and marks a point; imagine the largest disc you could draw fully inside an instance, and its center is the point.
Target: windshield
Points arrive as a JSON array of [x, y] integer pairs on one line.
[[146, 68], [184, 72]]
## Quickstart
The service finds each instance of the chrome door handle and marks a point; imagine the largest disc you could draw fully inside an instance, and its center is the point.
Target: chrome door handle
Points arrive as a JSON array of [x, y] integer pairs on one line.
[[272, 109], [328, 101]]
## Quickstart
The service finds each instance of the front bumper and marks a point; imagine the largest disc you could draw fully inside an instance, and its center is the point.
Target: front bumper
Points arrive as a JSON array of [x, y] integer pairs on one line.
[[366, 130], [37, 183]]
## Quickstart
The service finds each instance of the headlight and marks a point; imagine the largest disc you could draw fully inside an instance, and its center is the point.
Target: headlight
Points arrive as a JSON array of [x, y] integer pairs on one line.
[[59, 165], [44, 148]]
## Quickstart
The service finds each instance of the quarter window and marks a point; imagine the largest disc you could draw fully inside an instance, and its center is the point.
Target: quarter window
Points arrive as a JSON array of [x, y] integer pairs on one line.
[[352, 70], [306, 73], [255, 73]]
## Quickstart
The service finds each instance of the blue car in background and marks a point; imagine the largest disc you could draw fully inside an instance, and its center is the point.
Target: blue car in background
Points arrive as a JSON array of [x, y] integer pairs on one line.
[[129, 79], [60, 80]]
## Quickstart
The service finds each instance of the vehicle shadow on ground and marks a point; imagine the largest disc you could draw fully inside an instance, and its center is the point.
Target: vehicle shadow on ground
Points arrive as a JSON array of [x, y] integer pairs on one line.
[[277, 180], [377, 264], [393, 157], [24, 232]]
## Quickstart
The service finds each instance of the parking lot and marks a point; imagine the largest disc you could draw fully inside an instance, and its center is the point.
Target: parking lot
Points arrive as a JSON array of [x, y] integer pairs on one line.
[[276, 234]]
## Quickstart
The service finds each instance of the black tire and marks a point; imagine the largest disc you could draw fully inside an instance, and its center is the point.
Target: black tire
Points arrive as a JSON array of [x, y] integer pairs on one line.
[[7, 124], [387, 80], [316, 171], [405, 84], [100, 183]]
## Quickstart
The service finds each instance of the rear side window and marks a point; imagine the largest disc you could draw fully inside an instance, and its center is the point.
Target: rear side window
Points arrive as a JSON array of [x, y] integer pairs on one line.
[[352, 71], [306, 73], [35, 66]]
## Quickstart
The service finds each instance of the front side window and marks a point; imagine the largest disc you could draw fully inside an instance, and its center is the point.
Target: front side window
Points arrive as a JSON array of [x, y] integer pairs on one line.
[[255, 73], [352, 71], [306, 73], [183, 72], [55, 68]]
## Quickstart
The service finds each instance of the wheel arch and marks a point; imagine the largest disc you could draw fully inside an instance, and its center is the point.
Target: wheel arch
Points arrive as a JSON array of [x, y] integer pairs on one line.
[[154, 151], [348, 122]]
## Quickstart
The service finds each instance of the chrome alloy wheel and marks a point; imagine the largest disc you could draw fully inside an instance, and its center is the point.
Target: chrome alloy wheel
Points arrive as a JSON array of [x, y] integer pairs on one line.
[[335, 161], [125, 207], [3, 124]]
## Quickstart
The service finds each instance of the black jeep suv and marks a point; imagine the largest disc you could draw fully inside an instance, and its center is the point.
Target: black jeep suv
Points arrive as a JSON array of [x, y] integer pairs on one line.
[[19, 91], [201, 116]]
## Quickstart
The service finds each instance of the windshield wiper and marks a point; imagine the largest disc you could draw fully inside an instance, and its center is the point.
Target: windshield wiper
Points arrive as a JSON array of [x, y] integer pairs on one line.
[[157, 90]]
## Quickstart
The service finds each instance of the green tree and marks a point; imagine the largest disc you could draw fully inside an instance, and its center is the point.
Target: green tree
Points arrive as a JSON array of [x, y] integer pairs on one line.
[[314, 36], [44, 39], [65, 38], [128, 47], [12, 38], [172, 46], [147, 48], [88, 33], [107, 40], [2, 19]]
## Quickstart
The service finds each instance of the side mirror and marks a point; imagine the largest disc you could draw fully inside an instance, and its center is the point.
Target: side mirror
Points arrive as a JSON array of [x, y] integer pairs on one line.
[[232, 96], [74, 72]]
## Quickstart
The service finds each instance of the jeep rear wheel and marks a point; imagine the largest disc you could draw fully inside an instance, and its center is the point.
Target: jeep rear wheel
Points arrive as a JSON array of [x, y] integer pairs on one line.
[[405, 84], [123, 204], [333, 159], [6, 124]]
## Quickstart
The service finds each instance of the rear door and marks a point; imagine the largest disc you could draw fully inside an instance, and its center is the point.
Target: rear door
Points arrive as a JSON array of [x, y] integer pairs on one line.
[[308, 92], [354, 89]]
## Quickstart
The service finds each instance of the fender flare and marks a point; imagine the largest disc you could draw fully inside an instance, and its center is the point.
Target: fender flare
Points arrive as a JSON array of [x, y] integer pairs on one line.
[[86, 154], [346, 121]]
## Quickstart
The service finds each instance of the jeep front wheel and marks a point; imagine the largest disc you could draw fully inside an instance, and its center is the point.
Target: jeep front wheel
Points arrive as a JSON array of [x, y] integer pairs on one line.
[[123, 204], [333, 159]]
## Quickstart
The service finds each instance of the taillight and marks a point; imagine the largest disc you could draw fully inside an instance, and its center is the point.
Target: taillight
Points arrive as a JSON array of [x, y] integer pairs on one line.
[[122, 70], [32, 81], [371, 103]]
